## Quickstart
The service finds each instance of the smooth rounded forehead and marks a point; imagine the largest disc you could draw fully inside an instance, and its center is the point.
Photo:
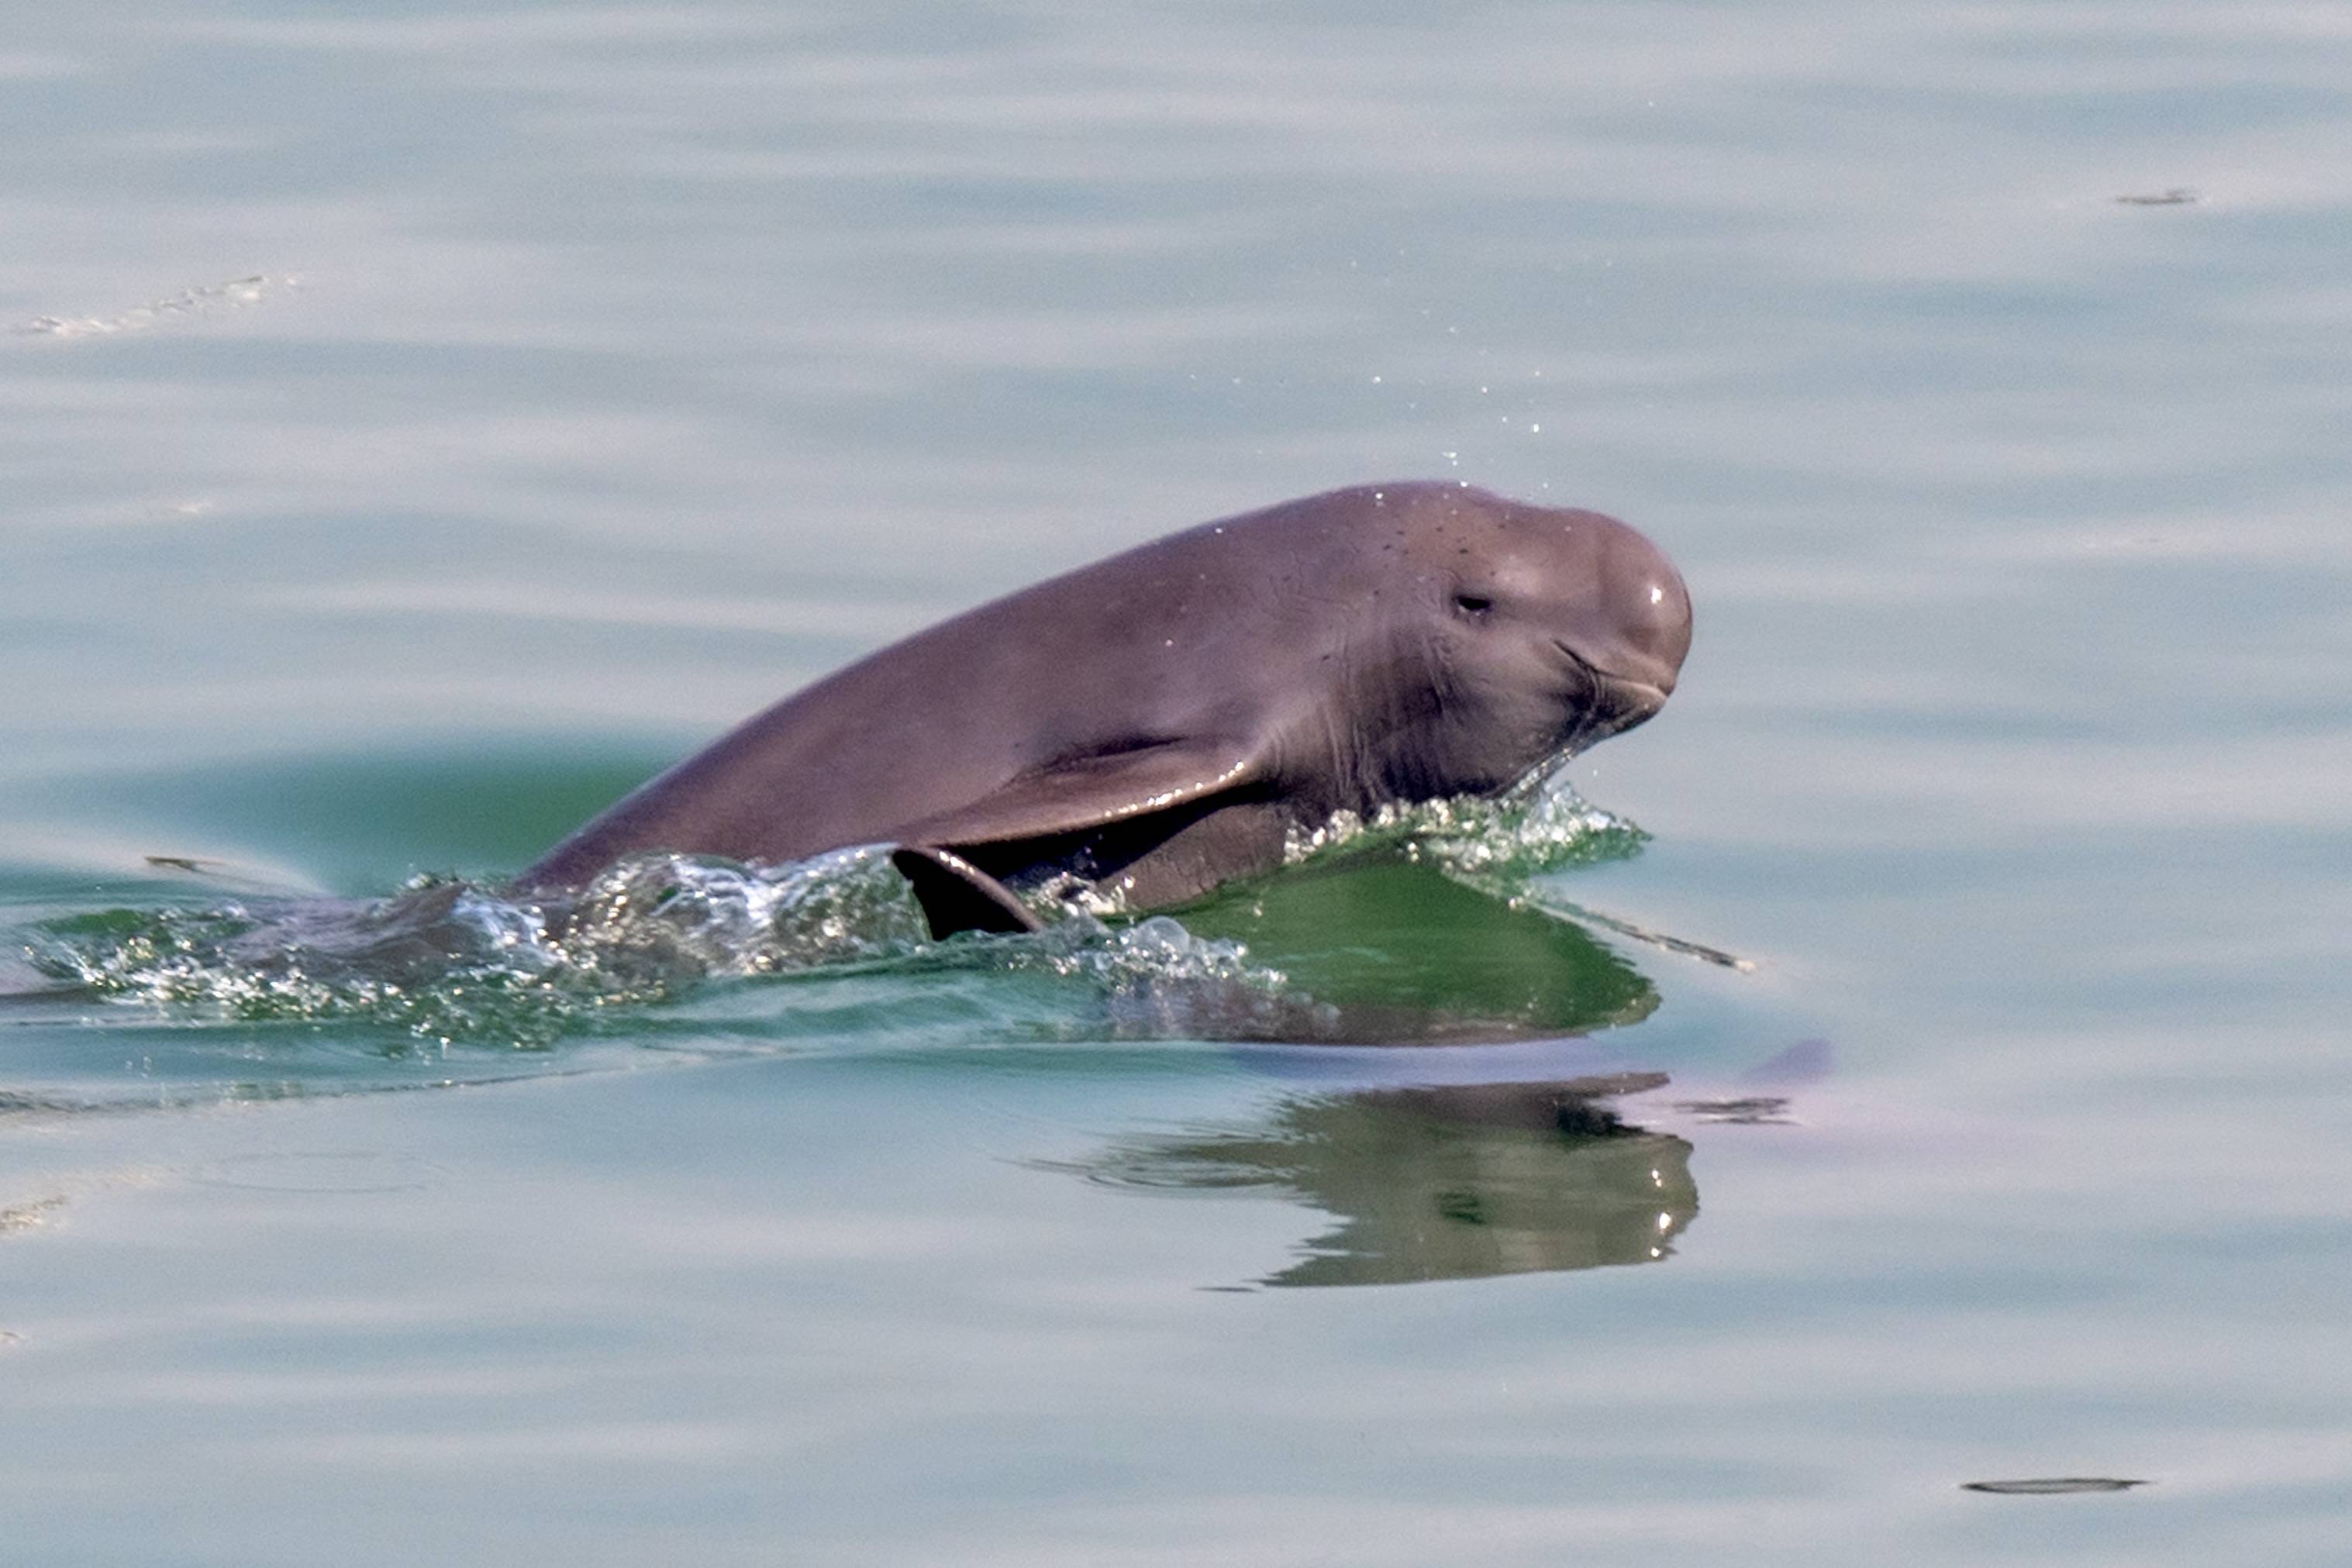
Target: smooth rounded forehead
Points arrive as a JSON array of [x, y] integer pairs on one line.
[[1514, 545]]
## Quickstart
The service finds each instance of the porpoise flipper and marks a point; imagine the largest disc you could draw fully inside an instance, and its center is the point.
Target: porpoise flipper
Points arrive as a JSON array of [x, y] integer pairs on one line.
[[957, 895], [1095, 790], [1159, 787]]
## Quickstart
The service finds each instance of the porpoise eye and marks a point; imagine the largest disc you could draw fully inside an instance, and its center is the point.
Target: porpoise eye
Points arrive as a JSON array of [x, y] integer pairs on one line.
[[1473, 603]]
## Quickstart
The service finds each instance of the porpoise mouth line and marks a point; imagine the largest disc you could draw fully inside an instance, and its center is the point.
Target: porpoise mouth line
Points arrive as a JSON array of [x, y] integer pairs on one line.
[[1656, 694]]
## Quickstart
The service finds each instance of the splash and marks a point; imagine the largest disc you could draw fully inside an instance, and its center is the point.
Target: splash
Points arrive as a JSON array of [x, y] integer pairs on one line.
[[447, 963], [1498, 844]]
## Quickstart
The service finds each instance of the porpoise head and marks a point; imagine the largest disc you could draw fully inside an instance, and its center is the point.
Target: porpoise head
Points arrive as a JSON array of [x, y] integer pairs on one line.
[[1544, 629]]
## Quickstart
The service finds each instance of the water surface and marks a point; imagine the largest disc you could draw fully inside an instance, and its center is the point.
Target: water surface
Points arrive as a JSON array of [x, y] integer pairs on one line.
[[423, 424]]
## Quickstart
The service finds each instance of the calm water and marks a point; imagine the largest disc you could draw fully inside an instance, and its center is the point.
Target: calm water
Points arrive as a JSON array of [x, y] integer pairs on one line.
[[422, 425]]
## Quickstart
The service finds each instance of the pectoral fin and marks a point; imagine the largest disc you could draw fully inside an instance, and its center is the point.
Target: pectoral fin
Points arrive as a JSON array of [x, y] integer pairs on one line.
[[1088, 792], [957, 895], [1057, 802]]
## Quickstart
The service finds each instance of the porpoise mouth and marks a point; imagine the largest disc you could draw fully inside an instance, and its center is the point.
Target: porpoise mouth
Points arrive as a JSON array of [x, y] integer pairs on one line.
[[1612, 703]]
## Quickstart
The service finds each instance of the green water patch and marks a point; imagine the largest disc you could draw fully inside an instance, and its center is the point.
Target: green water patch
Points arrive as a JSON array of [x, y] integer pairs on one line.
[[1403, 930], [1387, 930], [354, 823]]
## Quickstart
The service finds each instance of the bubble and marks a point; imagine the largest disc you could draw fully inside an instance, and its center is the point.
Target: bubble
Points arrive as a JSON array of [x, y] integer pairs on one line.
[[1498, 844], [445, 964]]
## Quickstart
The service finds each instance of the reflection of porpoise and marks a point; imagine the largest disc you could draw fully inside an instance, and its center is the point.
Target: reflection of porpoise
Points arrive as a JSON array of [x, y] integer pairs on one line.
[[1454, 1181], [1158, 721]]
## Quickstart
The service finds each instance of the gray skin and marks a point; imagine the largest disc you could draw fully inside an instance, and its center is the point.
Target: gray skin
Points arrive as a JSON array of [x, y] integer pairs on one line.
[[1157, 723]]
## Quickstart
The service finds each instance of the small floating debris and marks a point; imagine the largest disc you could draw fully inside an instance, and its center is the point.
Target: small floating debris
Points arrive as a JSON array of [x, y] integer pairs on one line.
[[2053, 1485], [2177, 196], [189, 863], [1688, 949], [1755, 1110], [210, 300], [248, 878]]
